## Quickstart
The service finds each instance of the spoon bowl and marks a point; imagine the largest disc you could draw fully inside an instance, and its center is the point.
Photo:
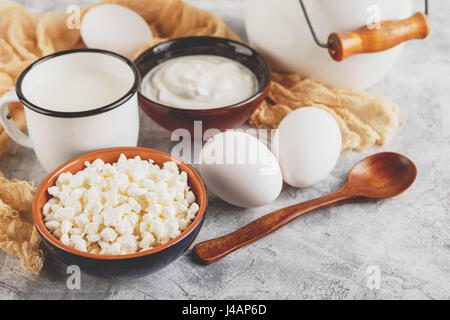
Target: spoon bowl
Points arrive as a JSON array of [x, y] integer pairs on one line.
[[382, 175]]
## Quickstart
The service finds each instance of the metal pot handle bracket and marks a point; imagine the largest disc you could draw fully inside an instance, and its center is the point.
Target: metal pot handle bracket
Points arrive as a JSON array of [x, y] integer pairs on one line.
[[342, 45]]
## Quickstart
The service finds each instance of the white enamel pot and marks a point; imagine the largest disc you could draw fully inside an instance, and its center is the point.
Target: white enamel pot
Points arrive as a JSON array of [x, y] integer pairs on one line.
[[336, 56], [57, 137]]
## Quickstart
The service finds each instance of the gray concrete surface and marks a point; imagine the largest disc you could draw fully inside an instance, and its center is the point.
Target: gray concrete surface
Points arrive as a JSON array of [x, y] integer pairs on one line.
[[325, 255]]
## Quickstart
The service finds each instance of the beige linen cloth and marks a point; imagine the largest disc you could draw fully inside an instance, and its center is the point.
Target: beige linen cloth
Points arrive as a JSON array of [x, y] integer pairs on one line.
[[365, 119], [17, 234]]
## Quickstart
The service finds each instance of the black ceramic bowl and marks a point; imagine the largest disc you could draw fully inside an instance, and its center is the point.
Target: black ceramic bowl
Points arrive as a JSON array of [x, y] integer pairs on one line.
[[221, 118], [128, 265]]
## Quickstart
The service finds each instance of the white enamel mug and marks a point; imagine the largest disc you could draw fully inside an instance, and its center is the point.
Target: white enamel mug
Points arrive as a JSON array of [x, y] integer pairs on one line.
[[56, 136]]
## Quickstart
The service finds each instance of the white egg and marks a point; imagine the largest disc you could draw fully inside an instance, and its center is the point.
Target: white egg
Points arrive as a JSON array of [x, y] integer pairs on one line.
[[307, 145], [240, 169], [115, 28]]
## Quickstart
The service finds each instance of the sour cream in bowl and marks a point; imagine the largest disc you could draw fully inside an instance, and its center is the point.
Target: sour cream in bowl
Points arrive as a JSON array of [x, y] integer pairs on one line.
[[217, 81], [200, 82]]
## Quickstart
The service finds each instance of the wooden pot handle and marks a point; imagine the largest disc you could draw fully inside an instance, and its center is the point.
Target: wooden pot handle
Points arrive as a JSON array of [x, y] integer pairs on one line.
[[342, 45], [215, 249]]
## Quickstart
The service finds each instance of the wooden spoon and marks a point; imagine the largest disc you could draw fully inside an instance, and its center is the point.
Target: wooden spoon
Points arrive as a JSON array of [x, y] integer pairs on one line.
[[382, 175]]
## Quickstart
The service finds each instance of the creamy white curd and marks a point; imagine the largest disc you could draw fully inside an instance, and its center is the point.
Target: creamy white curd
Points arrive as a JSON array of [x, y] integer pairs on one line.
[[129, 206], [199, 82]]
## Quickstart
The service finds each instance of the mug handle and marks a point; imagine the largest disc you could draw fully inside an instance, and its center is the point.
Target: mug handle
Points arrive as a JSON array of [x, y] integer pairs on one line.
[[8, 123]]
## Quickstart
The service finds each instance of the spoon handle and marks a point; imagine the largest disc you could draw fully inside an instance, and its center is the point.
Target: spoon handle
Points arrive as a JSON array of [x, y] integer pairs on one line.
[[213, 250]]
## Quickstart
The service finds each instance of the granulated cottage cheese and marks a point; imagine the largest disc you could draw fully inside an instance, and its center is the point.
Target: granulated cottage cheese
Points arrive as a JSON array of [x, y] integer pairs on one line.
[[125, 207]]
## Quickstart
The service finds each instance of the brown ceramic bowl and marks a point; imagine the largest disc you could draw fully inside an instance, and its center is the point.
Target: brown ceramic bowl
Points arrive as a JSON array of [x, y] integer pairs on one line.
[[222, 118], [128, 265]]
